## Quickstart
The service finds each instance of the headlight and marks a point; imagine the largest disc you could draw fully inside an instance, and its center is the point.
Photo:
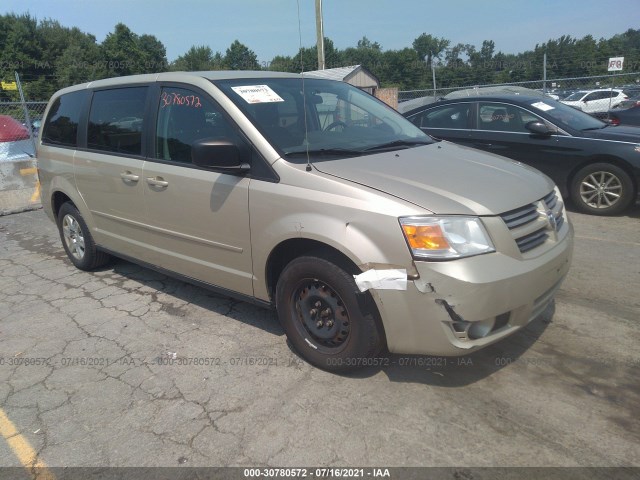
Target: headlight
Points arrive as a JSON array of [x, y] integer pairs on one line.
[[443, 238]]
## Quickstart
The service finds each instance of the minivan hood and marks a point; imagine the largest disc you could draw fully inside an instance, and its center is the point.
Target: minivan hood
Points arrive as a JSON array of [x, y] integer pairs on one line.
[[445, 178], [622, 133]]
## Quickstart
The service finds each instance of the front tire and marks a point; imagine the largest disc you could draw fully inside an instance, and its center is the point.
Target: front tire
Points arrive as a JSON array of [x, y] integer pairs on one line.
[[318, 309], [77, 240], [602, 189]]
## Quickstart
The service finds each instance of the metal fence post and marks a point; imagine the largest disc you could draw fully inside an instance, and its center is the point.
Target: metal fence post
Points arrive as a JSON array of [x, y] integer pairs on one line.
[[27, 119], [433, 73], [544, 73]]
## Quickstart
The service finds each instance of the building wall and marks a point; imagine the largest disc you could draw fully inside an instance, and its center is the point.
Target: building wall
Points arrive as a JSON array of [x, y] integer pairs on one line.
[[388, 96]]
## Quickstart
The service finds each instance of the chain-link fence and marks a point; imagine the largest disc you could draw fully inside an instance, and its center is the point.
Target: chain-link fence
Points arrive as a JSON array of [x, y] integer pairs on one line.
[[20, 122], [595, 95], [19, 127]]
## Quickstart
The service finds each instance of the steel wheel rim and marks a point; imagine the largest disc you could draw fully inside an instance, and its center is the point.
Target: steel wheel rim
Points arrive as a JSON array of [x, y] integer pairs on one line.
[[73, 237], [601, 189], [321, 316]]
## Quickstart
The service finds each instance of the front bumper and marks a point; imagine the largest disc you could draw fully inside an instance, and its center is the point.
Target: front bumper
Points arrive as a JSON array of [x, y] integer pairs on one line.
[[460, 306]]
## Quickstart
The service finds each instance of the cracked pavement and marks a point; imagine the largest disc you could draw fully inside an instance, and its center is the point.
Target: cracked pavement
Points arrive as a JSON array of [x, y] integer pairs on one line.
[[127, 367]]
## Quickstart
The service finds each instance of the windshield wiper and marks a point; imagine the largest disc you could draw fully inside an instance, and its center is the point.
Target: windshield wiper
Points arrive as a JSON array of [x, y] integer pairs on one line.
[[325, 151], [398, 143], [595, 128]]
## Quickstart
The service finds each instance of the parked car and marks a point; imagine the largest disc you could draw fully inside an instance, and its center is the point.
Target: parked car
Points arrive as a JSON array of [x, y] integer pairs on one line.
[[596, 164], [11, 130], [595, 101], [562, 94], [626, 113], [361, 230], [15, 141]]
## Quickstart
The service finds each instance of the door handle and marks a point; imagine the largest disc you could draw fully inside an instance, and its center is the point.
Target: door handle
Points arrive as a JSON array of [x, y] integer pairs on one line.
[[157, 182], [129, 177]]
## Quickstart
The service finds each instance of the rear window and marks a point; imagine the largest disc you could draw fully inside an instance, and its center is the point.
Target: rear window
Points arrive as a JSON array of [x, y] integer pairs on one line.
[[116, 120], [61, 126]]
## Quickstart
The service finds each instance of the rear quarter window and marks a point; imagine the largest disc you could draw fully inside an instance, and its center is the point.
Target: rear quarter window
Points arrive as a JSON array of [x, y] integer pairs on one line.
[[61, 125]]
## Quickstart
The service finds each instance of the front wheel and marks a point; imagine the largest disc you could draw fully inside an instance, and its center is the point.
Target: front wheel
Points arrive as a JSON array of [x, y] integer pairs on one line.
[[318, 309], [602, 189]]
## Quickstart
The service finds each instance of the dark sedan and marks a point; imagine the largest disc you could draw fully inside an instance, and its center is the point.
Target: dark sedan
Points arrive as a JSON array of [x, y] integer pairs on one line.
[[594, 163]]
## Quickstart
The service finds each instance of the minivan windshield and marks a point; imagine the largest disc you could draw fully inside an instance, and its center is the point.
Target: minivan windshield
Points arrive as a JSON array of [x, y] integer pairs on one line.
[[341, 120]]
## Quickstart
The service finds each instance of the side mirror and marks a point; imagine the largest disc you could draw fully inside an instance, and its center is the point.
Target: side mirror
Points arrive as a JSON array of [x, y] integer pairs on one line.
[[221, 155], [538, 128]]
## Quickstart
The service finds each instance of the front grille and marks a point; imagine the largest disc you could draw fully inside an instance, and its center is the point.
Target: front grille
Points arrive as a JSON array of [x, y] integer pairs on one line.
[[531, 241], [531, 225]]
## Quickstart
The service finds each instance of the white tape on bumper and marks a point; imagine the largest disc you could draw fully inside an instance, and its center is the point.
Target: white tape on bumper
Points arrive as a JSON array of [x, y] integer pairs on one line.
[[394, 279]]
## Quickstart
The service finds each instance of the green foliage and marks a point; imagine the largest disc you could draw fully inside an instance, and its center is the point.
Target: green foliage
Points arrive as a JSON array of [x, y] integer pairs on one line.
[[198, 58], [49, 56], [428, 46], [239, 57]]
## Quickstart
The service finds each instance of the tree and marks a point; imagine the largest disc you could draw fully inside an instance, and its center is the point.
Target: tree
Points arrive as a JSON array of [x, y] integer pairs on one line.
[[281, 63], [239, 57], [403, 69], [199, 58], [428, 46], [366, 44], [367, 54], [124, 53], [154, 54]]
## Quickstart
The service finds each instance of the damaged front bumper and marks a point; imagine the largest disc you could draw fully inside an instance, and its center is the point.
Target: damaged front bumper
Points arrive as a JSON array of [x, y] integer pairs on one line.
[[455, 307]]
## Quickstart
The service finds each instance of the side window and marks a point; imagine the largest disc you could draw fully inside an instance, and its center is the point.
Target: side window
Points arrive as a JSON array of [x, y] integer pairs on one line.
[[185, 116], [527, 117], [498, 117], [61, 125], [116, 120], [446, 116], [504, 117]]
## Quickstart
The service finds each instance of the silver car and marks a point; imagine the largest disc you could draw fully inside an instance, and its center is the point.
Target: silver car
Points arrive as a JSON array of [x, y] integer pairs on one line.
[[309, 196]]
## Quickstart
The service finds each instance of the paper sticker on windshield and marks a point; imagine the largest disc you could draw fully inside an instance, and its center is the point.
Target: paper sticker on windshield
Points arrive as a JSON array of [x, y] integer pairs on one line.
[[257, 94], [542, 106]]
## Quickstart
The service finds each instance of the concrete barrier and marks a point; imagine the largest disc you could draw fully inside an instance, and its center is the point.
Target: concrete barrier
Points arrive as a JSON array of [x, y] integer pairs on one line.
[[19, 185]]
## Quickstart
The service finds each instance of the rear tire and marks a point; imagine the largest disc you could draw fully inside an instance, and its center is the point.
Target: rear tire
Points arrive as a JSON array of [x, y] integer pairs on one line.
[[602, 189], [77, 240], [319, 311]]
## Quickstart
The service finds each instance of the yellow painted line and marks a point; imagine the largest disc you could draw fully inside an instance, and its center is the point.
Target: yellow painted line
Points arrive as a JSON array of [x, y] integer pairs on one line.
[[23, 450], [36, 193]]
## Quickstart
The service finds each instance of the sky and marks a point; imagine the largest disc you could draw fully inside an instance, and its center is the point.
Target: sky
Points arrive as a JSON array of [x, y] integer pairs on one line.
[[270, 27]]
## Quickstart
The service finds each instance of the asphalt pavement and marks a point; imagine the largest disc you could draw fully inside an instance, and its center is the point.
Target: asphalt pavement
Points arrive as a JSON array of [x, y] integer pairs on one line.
[[127, 367]]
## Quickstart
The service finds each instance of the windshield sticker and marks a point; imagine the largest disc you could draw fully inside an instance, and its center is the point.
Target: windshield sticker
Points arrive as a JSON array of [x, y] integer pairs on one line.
[[542, 106], [257, 94]]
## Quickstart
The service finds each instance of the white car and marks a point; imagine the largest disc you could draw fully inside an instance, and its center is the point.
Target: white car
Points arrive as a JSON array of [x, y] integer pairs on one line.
[[595, 101]]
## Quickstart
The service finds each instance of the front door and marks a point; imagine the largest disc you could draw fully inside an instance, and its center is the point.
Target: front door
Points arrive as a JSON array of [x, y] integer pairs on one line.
[[198, 219]]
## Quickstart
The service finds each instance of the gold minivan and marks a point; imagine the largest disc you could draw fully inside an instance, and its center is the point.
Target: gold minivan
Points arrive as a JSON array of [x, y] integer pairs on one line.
[[310, 196]]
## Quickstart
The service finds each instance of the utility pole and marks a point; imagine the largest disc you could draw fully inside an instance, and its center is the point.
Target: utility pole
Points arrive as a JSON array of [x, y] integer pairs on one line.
[[320, 35]]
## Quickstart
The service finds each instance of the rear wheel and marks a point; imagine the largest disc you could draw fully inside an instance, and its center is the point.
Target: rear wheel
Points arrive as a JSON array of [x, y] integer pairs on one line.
[[319, 311], [602, 189], [77, 240]]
